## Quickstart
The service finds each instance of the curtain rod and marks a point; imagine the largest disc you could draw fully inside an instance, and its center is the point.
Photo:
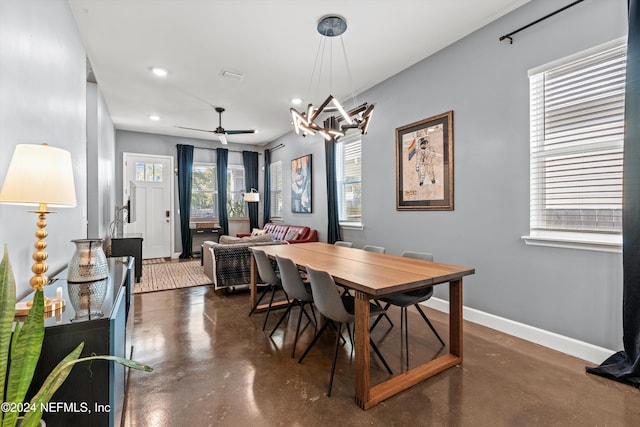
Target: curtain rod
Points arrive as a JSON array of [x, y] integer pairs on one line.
[[232, 151], [508, 36]]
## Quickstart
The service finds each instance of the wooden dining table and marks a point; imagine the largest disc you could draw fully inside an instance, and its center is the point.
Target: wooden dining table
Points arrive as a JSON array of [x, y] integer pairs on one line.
[[372, 276]]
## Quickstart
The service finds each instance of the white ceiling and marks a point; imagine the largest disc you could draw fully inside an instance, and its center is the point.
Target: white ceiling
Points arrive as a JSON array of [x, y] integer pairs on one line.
[[273, 43]]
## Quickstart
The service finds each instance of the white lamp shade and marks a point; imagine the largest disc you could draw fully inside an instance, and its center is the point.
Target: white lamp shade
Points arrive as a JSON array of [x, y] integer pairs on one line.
[[252, 197], [39, 174]]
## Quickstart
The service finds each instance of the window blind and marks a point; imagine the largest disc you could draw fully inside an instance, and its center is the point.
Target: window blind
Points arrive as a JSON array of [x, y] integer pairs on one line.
[[349, 175], [276, 189], [577, 135]]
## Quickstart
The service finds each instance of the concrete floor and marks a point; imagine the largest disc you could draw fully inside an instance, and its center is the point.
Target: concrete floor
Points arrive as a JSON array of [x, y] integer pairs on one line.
[[215, 366]]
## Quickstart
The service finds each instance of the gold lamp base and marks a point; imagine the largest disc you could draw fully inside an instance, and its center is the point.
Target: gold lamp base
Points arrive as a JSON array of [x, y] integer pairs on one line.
[[52, 307]]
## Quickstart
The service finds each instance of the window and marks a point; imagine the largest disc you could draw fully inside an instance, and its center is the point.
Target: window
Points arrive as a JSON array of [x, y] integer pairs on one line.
[[275, 184], [149, 172], [204, 191], [577, 135], [348, 177], [236, 206]]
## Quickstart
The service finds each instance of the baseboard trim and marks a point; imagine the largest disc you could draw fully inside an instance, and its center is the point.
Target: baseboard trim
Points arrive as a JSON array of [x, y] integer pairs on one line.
[[580, 349]]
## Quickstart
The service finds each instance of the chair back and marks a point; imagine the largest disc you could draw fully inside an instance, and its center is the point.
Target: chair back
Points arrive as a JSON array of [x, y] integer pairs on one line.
[[426, 293], [372, 248], [291, 281], [418, 255], [265, 268], [327, 297], [343, 243]]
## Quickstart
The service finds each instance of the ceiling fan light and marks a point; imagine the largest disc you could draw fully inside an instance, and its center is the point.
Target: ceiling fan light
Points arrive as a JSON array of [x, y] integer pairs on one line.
[[222, 138]]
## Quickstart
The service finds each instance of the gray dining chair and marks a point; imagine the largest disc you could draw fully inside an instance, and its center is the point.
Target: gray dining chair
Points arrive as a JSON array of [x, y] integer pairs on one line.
[[372, 248], [270, 278], [343, 243], [406, 300], [338, 310], [380, 250], [298, 292]]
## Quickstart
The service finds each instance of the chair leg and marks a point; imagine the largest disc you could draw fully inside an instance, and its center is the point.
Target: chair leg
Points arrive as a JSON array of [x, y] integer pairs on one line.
[[273, 294], [426, 319], [262, 295], [384, 362], [282, 318], [312, 343], [385, 315], [335, 358], [295, 340]]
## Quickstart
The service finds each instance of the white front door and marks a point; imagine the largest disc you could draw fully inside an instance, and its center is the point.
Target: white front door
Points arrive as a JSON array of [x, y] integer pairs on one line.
[[147, 185]]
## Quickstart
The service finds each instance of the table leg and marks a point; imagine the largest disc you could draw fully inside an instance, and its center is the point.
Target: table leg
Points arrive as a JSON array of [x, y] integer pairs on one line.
[[362, 354], [368, 396], [254, 283], [455, 318]]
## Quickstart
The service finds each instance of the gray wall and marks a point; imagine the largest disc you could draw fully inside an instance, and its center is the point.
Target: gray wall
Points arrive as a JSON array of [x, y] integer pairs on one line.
[[575, 293], [101, 144], [165, 145], [42, 99]]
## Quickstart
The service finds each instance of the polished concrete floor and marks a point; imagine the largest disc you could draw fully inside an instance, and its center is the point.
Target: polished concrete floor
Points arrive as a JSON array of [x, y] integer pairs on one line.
[[215, 366]]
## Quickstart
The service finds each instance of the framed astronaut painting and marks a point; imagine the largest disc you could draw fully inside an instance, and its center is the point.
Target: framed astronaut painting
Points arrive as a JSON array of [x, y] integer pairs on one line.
[[424, 164], [301, 184]]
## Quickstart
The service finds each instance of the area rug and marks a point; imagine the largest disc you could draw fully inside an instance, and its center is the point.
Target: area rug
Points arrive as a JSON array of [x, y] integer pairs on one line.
[[161, 276]]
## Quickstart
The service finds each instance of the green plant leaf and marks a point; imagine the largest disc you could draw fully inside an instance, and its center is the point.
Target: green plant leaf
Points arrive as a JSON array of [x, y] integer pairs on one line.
[[7, 310], [25, 355], [59, 375], [55, 379]]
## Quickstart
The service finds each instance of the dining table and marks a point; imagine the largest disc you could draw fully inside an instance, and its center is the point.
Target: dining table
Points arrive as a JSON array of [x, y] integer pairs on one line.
[[371, 276]]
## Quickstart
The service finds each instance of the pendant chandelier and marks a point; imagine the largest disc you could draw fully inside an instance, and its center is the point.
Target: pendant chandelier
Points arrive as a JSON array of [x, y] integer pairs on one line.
[[331, 119]]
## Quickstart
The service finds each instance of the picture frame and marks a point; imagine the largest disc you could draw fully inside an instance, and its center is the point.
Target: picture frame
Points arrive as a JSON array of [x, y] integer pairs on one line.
[[424, 164], [301, 180]]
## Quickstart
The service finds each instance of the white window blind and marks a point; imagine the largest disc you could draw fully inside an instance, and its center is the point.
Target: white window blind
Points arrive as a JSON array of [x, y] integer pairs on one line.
[[275, 176], [349, 179], [236, 206], [577, 135]]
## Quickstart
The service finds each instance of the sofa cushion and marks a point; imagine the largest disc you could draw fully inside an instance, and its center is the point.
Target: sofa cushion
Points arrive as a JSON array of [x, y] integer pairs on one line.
[[230, 240], [257, 232], [292, 234]]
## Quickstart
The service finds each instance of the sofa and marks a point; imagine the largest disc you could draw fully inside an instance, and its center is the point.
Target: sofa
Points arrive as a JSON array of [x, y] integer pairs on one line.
[[228, 262], [290, 233]]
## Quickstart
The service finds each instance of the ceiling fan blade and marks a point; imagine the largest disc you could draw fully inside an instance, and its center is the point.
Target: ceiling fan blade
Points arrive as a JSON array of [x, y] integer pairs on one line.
[[238, 132], [201, 130], [222, 138]]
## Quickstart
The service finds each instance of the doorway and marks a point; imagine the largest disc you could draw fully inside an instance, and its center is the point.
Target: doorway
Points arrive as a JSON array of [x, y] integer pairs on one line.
[[148, 188]]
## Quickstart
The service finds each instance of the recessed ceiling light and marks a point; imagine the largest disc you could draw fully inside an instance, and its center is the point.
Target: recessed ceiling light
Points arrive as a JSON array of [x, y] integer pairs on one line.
[[154, 118], [235, 75], [296, 101], [159, 71]]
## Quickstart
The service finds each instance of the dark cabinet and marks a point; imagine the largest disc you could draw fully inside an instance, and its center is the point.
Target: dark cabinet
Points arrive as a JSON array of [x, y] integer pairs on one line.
[[93, 393], [129, 245], [199, 235]]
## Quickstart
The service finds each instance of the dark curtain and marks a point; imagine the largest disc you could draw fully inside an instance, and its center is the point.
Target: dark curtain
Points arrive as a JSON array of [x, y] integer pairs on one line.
[[185, 172], [624, 366], [250, 161], [333, 231], [222, 155], [266, 198]]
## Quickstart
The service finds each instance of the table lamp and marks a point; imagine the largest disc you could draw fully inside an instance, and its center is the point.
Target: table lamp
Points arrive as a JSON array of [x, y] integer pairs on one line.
[[42, 176]]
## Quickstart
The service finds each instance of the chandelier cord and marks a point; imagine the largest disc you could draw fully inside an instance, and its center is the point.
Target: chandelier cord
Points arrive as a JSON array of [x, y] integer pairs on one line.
[[349, 75]]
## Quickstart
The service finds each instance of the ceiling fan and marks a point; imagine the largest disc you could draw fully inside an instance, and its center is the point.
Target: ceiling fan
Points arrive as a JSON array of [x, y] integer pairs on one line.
[[220, 131]]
